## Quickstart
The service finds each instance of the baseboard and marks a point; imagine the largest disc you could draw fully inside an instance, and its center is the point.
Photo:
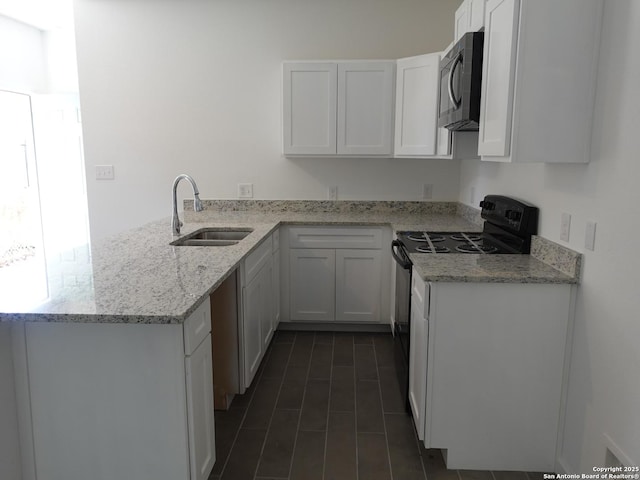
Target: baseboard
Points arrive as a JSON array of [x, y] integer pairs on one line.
[[336, 327]]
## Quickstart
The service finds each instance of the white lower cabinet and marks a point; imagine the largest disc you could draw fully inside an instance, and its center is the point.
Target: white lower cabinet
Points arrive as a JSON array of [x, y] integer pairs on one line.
[[128, 400], [313, 273], [335, 275], [358, 285], [199, 368], [419, 337], [487, 369], [258, 313]]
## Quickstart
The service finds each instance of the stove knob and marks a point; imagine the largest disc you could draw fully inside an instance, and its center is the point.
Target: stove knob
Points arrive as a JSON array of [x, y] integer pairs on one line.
[[512, 215]]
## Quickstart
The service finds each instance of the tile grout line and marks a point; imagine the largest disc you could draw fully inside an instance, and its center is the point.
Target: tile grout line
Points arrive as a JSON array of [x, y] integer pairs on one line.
[[355, 406], [246, 410], [384, 423], [326, 434], [266, 435], [304, 394]]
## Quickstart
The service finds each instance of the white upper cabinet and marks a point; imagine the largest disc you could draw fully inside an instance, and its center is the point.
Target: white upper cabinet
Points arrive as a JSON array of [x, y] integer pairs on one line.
[[309, 102], [461, 25], [338, 108], [476, 14], [538, 82], [417, 89], [365, 108], [469, 17], [497, 77]]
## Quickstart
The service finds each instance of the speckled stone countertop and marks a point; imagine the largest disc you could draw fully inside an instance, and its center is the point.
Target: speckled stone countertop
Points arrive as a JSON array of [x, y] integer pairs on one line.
[[486, 268], [138, 277]]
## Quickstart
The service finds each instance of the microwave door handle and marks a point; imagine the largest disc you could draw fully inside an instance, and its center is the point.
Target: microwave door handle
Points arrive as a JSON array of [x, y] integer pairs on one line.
[[452, 97]]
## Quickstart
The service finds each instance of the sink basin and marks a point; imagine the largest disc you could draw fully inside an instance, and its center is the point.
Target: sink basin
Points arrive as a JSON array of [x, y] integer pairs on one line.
[[212, 237]]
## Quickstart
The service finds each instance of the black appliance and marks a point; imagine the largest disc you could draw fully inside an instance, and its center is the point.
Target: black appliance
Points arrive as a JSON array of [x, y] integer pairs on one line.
[[508, 227], [460, 84]]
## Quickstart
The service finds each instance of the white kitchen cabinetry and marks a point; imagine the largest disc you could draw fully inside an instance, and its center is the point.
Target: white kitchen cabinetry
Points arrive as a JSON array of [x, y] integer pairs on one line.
[[469, 17], [129, 400], [335, 275], [313, 273], [538, 81], [495, 365], [417, 89], [358, 285], [416, 126], [419, 342], [338, 108], [275, 281], [257, 308]]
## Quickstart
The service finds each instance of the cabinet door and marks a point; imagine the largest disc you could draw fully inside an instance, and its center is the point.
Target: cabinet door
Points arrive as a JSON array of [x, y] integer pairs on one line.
[[365, 108], [199, 379], [498, 77], [252, 321], [309, 108], [418, 344], [476, 14], [267, 300], [276, 288], [461, 25], [358, 285], [312, 287], [417, 90]]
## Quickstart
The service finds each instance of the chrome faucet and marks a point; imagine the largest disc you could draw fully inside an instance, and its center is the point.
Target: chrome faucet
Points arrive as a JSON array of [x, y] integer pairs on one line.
[[197, 204]]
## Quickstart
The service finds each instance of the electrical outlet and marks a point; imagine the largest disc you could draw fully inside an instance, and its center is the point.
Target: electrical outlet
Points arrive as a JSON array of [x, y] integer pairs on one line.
[[245, 190], [332, 192], [565, 226], [590, 235], [427, 191], [104, 172]]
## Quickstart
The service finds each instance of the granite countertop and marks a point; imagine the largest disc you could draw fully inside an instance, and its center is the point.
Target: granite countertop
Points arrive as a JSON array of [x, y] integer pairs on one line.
[[138, 277], [486, 268]]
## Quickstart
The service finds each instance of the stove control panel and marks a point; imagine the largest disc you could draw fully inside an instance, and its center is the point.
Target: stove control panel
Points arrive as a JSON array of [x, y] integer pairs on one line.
[[511, 214]]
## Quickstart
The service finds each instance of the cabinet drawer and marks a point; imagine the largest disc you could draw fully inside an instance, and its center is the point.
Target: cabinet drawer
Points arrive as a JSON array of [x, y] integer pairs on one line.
[[322, 237], [256, 259], [196, 327]]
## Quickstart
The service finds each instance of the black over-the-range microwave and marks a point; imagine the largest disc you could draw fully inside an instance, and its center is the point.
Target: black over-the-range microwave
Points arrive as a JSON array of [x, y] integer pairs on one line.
[[460, 84]]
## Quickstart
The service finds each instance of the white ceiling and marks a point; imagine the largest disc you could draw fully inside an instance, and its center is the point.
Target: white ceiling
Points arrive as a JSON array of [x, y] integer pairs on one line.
[[42, 14]]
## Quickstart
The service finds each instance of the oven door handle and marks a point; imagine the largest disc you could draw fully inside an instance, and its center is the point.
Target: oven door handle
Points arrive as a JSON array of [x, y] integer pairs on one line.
[[399, 254]]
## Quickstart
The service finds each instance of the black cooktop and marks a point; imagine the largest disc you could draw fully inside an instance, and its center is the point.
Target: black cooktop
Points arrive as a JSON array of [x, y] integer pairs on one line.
[[450, 242]]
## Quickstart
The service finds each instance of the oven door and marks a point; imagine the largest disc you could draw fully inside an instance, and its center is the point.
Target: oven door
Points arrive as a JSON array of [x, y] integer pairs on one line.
[[402, 315]]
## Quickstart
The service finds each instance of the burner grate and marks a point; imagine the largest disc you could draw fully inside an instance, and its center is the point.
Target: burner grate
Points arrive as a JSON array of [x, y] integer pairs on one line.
[[433, 249]]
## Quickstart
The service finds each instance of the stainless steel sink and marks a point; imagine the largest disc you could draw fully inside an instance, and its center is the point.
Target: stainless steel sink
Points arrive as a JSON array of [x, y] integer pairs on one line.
[[212, 237]]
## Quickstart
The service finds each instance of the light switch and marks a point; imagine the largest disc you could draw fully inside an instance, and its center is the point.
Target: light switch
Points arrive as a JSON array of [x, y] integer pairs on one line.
[[565, 226], [245, 190], [590, 235], [104, 172]]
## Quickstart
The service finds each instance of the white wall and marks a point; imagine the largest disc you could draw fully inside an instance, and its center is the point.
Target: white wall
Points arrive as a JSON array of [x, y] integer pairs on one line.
[[194, 87], [604, 388], [22, 57]]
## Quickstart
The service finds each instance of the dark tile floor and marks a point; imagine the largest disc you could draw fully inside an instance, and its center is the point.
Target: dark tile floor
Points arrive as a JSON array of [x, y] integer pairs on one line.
[[328, 406]]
